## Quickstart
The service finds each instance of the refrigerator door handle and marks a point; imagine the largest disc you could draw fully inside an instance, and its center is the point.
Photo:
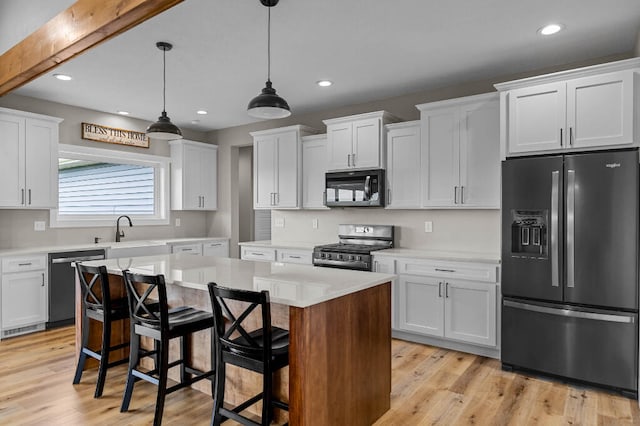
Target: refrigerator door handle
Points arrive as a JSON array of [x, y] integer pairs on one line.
[[571, 254], [555, 256], [623, 318]]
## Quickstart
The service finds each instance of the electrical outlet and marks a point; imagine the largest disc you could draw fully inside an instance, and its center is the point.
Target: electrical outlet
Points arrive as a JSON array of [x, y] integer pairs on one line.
[[177, 221], [38, 225], [279, 222], [314, 223], [428, 226]]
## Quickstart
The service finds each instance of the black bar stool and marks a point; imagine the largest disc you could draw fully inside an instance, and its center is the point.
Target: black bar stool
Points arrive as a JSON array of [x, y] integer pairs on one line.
[[264, 350], [157, 321], [98, 305]]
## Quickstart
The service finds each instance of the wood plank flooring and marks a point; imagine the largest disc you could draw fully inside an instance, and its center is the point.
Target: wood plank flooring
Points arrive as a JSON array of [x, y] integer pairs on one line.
[[430, 386]]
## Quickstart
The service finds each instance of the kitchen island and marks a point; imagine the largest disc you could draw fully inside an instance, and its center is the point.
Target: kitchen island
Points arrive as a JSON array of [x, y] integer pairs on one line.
[[339, 322]]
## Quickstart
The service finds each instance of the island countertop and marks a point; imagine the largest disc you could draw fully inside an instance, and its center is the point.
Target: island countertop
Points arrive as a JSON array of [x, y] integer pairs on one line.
[[288, 284]]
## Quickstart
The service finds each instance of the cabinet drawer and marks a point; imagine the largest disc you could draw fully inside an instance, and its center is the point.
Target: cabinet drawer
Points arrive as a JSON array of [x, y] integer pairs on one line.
[[19, 264], [294, 256], [259, 253], [216, 248], [453, 270], [195, 249]]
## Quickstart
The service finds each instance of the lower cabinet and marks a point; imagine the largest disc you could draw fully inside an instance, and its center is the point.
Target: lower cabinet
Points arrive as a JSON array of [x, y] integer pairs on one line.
[[460, 310], [219, 248], [277, 254], [24, 295]]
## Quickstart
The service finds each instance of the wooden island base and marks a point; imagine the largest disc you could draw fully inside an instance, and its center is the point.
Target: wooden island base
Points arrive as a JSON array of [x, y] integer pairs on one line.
[[339, 360]]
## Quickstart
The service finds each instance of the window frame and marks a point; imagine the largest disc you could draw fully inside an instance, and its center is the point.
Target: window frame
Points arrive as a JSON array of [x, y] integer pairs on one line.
[[161, 187]]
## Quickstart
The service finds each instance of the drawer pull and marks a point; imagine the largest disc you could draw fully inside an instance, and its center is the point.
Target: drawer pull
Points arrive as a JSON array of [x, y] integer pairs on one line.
[[257, 254], [294, 257], [445, 270], [186, 249], [25, 264]]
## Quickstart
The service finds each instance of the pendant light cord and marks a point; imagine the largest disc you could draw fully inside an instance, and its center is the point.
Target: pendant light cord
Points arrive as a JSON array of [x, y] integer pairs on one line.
[[269, 44], [164, 80]]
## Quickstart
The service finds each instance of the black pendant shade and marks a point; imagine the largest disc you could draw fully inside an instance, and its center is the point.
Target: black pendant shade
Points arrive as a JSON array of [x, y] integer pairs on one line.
[[268, 104], [164, 128]]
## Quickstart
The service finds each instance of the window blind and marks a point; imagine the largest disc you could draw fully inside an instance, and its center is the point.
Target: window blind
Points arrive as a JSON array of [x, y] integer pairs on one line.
[[106, 188]]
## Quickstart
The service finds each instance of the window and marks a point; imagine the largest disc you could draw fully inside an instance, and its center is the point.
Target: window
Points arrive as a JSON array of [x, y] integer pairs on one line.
[[95, 186]]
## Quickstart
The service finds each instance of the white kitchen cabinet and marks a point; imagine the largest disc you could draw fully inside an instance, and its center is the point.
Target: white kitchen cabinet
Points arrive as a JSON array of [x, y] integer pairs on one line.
[[193, 175], [358, 141], [314, 167], [282, 254], [264, 254], [195, 249], [24, 294], [460, 153], [216, 248], [587, 108], [303, 257], [456, 301], [403, 165], [277, 171], [28, 159]]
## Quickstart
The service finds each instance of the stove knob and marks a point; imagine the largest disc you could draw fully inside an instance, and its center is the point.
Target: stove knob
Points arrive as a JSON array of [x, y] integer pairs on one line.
[[351, 257], [339, 257], [359, 258], [322, 255]]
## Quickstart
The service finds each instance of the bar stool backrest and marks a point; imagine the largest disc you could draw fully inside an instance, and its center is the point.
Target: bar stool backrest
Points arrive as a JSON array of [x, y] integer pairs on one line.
[[95, 293], [256, 345], [144, 309]]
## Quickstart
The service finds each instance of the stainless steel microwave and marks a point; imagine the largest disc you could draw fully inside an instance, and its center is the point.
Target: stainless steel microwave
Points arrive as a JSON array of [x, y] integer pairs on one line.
[[358, 188]]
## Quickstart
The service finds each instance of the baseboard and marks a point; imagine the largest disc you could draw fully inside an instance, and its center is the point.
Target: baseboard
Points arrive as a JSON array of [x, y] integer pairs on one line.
[[447, 344]]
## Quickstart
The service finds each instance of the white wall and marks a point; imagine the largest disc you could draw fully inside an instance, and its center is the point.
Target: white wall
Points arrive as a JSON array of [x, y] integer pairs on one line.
[[16, 226]]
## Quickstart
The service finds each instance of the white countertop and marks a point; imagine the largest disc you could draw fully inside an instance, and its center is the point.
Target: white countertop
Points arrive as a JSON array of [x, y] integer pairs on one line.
[[104, 245], [285, 244], [453, 256], [288, 284]]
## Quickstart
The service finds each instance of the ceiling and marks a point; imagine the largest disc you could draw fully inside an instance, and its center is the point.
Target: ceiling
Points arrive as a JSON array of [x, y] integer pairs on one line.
[[370, 49]]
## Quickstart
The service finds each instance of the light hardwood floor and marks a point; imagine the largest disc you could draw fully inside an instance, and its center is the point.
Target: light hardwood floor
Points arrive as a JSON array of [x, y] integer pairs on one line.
[[429, 386]]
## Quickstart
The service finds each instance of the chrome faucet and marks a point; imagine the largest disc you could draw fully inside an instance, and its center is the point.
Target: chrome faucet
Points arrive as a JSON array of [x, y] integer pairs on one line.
[[119, 233]]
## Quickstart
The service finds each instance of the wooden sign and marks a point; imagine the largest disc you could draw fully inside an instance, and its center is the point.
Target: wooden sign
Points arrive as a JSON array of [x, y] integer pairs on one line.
[[98, 133]]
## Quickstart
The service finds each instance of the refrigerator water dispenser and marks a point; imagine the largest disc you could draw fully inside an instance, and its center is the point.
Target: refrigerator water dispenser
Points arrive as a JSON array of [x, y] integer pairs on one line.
[[529, 232]]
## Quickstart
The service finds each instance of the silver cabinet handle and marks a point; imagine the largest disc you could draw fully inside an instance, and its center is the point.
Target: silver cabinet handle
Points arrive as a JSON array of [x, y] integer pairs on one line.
[[42, 280], [555, 259], [561, 132], [22, 190], [353, 159], [186, 249], [445, 270], [203, 201], [29, 196], [570, 136], [446, 290], [462, 195], [440, 289], [258, 254], [571, 200], [25, 264], [348, 160], [277, 198], [294, 257], [455, 195]]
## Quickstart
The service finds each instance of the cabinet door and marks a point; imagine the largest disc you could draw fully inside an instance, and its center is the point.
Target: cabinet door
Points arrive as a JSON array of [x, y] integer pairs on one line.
[[12, 140], [192, 178], [314, 167], [339, 144], [216, 248], [403, 167], [440, 157], [470, 312], [23, 299], [366, 144], [41, 163], [537, 118], [480, 155], [209, 178], [264, 171], [421, 307], [287, 170], [600, 110]]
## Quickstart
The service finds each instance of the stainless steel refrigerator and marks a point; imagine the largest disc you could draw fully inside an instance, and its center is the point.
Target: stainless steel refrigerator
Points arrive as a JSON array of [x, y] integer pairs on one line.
[[570, 266]]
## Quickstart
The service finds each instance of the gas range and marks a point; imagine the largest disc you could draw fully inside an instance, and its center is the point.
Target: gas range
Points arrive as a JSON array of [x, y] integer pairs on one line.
[[355, 247]]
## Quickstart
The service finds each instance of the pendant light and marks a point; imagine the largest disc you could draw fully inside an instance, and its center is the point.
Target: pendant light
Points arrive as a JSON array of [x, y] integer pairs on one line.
[[164, 128], [268, 104]]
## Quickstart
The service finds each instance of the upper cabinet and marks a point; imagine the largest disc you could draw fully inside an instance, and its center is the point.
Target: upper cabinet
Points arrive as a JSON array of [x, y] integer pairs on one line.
[[587, 108], [28, 159], [357, 141], [193, 175], [403, 165], [314, 167], [277, 171], [460, 152]]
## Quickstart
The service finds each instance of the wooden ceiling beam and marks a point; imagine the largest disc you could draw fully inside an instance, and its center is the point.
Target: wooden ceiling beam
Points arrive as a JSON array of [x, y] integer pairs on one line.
[[82, 26]]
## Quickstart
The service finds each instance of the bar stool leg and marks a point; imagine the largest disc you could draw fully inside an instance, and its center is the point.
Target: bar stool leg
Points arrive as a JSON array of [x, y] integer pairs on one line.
[[104, 358], [82, 358], [267, 396], [184, 355], [134, 355], [162, 381], [218, 399]]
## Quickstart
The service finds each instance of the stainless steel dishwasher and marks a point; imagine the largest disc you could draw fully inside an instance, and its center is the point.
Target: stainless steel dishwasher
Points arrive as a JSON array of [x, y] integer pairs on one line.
[[62, 284]]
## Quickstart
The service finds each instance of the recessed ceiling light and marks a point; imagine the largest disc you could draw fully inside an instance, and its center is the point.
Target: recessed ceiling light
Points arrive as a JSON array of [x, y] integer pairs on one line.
[[62, 77], [550, 29], [201, 112], [324, 83], [123, 112]]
